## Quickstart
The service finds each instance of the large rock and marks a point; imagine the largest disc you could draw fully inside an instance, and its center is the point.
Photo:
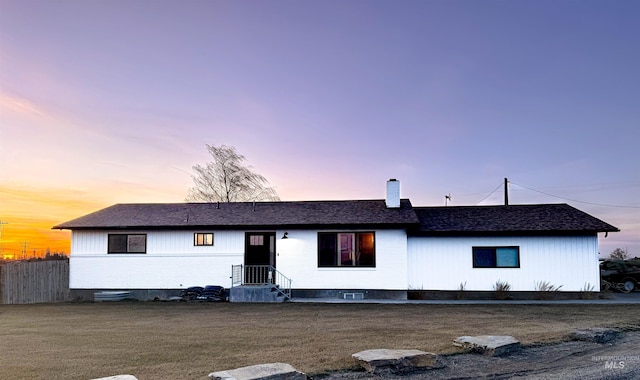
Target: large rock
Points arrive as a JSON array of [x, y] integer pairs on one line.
[[596, 335], [271, 371], [490, 345], [118, 377], [396, 360]]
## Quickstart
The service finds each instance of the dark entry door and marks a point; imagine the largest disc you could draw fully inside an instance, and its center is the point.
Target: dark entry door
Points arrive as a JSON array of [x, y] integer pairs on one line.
[[259, 254]]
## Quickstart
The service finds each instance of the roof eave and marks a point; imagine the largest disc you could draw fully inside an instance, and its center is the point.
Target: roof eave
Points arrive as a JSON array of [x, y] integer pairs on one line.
[[245, 227], [509, 233]]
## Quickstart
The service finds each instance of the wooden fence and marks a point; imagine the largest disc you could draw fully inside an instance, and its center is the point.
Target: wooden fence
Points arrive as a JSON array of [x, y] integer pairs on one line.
[[34, 281]]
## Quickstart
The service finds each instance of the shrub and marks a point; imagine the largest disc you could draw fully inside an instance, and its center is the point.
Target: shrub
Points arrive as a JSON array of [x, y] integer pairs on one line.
[[502, 290], [545, 290], [587, 292], [461, 290]]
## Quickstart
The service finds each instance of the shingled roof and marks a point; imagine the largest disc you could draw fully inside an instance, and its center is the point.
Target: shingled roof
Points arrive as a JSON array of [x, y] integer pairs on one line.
[[542, 219], [249, 215]]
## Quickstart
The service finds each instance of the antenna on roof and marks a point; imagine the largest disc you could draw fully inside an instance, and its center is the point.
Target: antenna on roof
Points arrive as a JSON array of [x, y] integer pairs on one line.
[[447, 199]]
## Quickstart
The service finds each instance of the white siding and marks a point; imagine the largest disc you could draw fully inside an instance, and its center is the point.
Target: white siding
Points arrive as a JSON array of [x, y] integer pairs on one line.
[[171, 261], [160, 242], [298, 259], [443, 263]]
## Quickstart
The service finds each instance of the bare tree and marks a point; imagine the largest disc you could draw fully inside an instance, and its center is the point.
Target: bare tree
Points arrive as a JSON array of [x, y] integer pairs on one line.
[[228, 179], [619, 254]]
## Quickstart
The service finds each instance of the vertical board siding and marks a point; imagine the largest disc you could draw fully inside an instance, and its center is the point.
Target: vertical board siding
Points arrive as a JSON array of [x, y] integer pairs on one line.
[[171, 261], [151, 272], [171, 242], [417, 263], [24, 282], [298, 259], [160, 242], [441, 263]]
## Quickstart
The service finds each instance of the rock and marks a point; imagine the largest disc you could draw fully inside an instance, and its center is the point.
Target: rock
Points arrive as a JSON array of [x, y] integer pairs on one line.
[[490, 345], [118, 377], [271, 371], [595, 335], [396, 360]]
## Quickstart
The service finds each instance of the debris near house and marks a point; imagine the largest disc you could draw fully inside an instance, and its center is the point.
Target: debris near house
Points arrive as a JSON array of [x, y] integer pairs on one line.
[[489, 345], [209, 293], [396, 361], [620, 275], [111, 296], [270, 371]]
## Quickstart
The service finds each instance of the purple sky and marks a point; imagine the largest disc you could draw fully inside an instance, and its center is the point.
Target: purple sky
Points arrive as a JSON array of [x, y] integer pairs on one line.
[[114, 101]]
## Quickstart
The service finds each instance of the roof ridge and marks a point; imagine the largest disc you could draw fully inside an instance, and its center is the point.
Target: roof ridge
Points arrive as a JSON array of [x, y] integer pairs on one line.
[[251, 202], [495, 206]]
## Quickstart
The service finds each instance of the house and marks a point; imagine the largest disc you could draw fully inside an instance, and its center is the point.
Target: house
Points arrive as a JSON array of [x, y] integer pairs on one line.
[[475, 246], [356, 248]]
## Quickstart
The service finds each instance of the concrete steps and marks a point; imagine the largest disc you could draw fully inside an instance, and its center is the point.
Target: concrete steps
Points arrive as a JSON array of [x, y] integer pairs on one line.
[[257, 293]]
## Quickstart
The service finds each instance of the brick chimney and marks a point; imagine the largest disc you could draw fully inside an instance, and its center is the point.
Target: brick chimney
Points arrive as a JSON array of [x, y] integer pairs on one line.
[[393, 193]]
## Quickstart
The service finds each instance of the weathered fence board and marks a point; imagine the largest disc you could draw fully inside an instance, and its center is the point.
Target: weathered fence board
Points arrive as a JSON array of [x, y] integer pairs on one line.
[[34, 281]]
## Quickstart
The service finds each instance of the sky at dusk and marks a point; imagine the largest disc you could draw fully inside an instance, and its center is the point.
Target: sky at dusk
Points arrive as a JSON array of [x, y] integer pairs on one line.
[[105, 102]]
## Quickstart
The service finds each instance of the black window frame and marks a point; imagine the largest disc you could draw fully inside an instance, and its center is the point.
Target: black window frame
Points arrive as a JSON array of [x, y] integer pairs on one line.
[[328, 241], [477, 250], [204, 244], [113, 247]]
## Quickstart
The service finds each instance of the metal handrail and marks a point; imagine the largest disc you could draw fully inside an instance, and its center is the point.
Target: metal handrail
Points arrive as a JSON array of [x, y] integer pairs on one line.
[[236, 275], [260, 275]]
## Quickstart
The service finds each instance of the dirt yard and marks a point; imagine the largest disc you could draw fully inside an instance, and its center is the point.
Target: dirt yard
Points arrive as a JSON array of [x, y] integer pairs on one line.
[[162, 340], [570, 360]]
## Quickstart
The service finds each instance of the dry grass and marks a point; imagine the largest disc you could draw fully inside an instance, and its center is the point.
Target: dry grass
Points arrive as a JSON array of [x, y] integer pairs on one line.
[[188, 341]]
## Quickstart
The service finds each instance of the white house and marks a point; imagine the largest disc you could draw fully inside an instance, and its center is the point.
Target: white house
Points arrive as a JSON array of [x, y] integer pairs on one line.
[[356, 248]]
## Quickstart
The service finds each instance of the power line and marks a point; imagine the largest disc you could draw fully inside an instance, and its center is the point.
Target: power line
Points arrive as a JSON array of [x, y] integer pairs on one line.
[[490, 194], [572, 200]]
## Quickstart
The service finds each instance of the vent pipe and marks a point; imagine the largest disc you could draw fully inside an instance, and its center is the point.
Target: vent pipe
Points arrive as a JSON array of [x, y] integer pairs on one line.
[[393, 193]]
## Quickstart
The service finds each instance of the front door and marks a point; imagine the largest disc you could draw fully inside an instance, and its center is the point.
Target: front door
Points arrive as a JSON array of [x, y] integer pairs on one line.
[[259, 254]]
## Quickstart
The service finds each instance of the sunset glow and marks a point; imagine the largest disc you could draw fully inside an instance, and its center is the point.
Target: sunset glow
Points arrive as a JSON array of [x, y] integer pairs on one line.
[[113, 102], [28, 215]]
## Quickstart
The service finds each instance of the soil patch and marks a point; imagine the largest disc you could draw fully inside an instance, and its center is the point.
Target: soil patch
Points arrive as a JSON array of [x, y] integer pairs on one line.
[[616, 360]]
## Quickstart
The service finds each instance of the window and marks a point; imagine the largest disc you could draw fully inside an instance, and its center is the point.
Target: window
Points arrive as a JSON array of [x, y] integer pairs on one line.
[[256, 240], [496, 257], [122, 243], [346, 249], [200, 238]]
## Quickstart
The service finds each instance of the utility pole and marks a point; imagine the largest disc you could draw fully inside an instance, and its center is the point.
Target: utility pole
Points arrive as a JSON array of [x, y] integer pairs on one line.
[[1, 223], [506, 192]]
